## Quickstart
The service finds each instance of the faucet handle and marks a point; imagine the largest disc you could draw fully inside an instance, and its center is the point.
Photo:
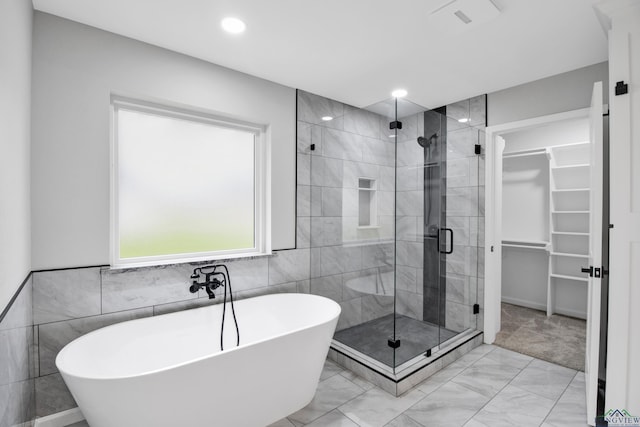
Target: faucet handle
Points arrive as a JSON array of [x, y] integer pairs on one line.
[[195, 287]]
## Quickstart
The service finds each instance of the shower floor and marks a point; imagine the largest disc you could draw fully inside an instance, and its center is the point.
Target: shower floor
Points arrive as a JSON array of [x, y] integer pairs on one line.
[[415, 336]]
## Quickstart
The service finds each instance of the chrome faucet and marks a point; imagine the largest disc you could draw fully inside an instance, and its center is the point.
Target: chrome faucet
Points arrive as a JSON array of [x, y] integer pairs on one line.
[[211, 280]]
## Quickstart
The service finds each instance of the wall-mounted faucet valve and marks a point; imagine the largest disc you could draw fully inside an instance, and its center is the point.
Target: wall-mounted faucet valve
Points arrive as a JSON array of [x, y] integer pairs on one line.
[[208, 279]]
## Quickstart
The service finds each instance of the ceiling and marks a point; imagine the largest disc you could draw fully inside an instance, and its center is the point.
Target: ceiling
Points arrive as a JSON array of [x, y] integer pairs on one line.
[[357, 51]]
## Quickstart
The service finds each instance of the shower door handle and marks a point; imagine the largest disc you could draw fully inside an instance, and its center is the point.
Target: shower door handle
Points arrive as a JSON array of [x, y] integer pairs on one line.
[[445, 241]]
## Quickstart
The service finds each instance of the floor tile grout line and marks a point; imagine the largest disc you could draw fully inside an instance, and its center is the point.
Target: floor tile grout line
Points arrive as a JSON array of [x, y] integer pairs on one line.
[[560, 397], [333, 409], [384, 391], [536, 394], [449, 381], [500, 391]]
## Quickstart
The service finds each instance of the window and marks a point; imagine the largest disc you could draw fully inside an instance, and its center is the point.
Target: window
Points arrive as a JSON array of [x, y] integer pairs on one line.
[[186, 186]]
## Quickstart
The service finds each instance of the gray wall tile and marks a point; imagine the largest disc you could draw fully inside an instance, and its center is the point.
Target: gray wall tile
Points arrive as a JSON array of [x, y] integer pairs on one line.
[[248, 273], [303, 200], [17, 396], [289, 266], [303, 232], [54, 336], [328, 286], [331, 201], [52, 395], [311, 108], [376, 306], [66, 294], [362, 122], [351, 314], [342, 145], [304, 137], [145, 287], [17, 403], [21, 312], [15, 345], [304, 169]]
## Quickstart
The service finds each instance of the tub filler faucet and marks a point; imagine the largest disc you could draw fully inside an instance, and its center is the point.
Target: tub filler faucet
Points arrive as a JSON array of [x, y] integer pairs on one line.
[[215, 276], [213, 279]]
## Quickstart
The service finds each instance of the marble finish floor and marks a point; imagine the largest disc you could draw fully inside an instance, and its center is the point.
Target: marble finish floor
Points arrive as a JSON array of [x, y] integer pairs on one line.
[[557, 339], [370, 338], [488, 387]]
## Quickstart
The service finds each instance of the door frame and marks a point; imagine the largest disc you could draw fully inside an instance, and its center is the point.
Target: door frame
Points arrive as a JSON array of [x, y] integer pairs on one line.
[[493, 213]]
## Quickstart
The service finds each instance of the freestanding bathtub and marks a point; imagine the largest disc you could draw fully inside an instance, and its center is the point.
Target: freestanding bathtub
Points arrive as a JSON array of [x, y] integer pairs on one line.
[[169, 371]]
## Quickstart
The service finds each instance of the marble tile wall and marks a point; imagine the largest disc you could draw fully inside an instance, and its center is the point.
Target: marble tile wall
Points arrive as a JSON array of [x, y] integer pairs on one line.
[[17, 362], [354, 265], [349, 263], [72, 302]]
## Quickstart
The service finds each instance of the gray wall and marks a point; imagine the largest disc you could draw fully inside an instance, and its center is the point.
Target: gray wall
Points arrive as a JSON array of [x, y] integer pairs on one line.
[[75, 70], [555, 94], [15, 123]]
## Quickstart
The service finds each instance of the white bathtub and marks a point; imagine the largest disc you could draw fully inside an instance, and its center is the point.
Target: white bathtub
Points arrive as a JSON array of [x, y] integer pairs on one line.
[[169, 371]]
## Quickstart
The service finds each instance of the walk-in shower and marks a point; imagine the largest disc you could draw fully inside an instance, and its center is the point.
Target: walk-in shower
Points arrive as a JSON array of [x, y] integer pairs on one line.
[[395, 224]]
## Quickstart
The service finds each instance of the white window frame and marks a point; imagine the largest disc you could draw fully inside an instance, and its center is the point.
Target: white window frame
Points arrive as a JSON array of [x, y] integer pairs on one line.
[[262, 183]]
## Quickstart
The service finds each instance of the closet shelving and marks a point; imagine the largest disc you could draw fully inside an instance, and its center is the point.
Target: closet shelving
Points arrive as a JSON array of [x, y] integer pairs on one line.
[[567, 245], [569, 169]]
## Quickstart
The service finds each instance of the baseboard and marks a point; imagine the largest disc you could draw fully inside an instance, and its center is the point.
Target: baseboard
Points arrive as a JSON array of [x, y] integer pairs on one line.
[[60, 419], [536, 306], [571, 313], [525, 303]]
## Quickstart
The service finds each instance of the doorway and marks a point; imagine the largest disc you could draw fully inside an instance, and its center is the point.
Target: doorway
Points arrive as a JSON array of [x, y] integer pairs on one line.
[[567, 176], [545, 240]]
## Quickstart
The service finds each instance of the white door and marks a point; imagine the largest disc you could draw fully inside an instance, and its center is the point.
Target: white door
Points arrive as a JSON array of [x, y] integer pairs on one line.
[[595, 254]]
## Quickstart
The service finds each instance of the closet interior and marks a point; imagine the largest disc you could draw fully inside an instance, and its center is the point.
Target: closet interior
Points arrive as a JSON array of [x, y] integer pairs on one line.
[[545, 218]]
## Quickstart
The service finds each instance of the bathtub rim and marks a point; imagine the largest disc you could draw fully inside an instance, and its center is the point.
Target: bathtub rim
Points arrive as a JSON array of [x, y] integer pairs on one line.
[[330, 303]]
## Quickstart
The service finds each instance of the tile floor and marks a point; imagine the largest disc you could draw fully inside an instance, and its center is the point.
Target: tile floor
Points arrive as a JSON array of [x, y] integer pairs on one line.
[[488, 387]]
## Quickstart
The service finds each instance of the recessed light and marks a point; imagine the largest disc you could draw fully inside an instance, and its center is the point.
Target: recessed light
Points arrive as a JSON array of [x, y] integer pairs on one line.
[[392, 136], [399, 93], [327, 118], [233, 25], [464, 120]]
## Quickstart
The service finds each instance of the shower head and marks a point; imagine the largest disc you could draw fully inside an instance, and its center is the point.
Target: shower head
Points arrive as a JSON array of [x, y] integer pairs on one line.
[[425, 142]]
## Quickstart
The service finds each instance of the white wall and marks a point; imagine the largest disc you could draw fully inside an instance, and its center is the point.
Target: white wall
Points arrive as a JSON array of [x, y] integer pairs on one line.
[[76, 69], [559, 133], [555, 94], [15, 135]]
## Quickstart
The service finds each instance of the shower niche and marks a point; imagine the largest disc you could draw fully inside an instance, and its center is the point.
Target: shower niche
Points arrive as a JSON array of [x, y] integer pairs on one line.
[[396, 230]]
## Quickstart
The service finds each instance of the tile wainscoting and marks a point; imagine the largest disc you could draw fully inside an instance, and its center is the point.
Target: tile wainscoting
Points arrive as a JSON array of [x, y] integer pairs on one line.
[[17, 360]]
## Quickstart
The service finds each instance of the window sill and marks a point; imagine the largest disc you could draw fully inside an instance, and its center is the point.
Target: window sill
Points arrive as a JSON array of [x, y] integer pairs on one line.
[[190, 261]]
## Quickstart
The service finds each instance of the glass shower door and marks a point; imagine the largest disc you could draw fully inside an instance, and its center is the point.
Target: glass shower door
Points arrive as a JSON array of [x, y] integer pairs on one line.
[[437, 230], [421, 237]]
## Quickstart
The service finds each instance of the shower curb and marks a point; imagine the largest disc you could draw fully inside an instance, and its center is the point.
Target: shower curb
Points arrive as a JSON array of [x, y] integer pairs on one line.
[[398, 386]]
